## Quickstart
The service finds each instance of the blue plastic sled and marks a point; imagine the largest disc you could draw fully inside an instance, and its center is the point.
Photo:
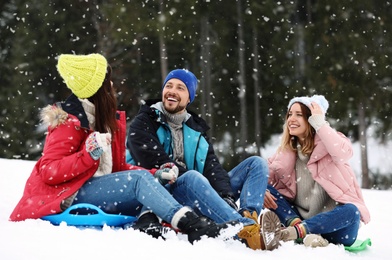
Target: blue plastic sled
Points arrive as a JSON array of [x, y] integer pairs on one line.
[[87, 215]]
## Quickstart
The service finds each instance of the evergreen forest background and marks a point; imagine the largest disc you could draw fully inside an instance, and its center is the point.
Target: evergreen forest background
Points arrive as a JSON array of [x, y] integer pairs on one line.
[[250, 56]]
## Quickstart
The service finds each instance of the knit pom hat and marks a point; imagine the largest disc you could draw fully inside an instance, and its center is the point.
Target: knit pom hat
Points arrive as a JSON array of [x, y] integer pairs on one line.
[[185, 76], [83, 74], [319, 99]]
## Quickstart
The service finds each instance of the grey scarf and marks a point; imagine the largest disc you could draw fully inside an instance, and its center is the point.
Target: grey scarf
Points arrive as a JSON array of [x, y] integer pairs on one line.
[[175, 122]]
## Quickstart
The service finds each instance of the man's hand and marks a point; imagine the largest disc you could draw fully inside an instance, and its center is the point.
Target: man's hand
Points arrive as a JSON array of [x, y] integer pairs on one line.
[[167, 173]]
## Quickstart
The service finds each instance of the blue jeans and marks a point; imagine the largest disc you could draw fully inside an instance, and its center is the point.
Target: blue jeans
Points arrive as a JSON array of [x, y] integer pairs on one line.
[[338, 226], [127, 192], [249, 182], [192, 189]]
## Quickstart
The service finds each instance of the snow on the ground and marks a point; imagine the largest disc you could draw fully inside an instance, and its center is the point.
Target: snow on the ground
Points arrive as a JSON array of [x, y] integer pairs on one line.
[[39, 240]]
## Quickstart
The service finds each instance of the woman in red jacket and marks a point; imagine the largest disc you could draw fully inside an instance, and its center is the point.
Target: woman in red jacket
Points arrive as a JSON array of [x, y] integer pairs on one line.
[[83, 159]]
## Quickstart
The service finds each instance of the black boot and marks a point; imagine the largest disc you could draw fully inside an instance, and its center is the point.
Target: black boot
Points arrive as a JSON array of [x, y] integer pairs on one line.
[[149, 224], [196, 227]]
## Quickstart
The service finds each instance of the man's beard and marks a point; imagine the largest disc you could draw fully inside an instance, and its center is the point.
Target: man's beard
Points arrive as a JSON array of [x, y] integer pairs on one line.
[[173, 110]]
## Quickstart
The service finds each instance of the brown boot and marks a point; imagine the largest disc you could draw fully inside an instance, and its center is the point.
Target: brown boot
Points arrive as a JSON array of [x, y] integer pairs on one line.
[[270, 225], [251, 234]]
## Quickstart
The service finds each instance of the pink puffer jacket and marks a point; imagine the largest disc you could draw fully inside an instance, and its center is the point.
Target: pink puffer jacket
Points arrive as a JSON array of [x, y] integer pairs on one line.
[[329, 167]]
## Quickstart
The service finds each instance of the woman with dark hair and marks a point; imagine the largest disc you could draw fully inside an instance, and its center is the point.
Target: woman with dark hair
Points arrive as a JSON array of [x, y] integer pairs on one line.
[[83, 160], [312, 187]]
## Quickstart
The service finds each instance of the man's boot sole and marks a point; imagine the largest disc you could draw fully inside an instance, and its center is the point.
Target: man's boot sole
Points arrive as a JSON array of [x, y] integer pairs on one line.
[[270, 224]]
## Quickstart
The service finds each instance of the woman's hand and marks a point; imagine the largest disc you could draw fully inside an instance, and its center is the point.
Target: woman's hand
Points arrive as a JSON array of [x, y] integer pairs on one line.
[[97, 143], [269, 201], [315, 109]]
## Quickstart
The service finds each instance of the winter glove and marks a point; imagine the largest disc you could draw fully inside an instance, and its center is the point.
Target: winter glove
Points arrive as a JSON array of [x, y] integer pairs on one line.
[[97, 143], [230, 200], [167, 173]]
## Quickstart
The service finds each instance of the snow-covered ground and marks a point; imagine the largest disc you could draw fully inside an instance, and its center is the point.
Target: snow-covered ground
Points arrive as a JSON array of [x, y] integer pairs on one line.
[[39, 240]]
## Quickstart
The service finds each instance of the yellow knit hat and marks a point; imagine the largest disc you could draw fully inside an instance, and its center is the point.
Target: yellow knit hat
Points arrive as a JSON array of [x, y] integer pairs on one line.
[[83, 74]]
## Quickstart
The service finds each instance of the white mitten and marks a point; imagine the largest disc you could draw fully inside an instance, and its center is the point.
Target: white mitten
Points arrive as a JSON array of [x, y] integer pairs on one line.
[[167, 173]]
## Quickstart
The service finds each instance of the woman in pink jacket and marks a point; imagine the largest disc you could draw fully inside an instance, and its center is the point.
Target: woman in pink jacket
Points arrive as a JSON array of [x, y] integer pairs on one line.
[[312, 187], [83, 160]]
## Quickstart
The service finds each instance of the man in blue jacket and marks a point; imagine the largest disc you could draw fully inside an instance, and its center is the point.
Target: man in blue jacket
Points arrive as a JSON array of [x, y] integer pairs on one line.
[[164, 131]]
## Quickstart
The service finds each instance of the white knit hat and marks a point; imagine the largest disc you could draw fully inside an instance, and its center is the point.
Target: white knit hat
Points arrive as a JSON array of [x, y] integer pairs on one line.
[[319, 99]]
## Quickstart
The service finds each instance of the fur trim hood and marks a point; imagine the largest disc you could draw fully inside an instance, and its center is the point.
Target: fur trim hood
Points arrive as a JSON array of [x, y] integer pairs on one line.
[[52, 116], [71, 109]]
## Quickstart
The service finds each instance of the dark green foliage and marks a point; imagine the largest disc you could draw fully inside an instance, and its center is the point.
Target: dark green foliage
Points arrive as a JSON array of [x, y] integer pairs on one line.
[[337, 48], [381, 181]]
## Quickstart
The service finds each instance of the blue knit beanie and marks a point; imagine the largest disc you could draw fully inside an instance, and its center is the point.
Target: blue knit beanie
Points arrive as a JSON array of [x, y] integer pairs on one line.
[[319, 99], [185, 76]]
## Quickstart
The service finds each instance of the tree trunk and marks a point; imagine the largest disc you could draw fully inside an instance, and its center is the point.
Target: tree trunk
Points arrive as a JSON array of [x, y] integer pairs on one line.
[[257, 91], [363, 145], [162, 43], [242, 83], [206, 101]]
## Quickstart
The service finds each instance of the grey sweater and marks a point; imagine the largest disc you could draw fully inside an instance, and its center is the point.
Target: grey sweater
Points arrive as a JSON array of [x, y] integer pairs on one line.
[[311, 198]]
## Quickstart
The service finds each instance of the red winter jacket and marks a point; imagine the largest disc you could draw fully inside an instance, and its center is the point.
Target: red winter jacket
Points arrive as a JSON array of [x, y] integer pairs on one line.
[[65, 164]]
